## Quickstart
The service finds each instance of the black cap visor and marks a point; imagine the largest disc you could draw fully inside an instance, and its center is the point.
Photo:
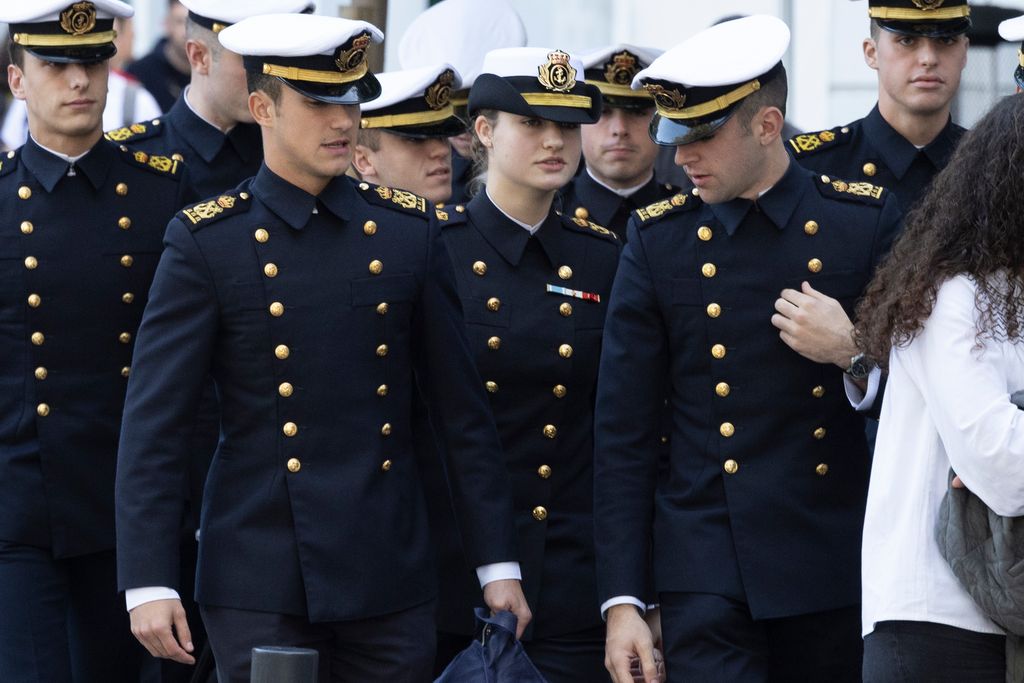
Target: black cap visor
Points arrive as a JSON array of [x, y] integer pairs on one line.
[[509, 95], [85, 54], [630, 103], [450, 127], [927, 29], [675, 132], [366, 89]]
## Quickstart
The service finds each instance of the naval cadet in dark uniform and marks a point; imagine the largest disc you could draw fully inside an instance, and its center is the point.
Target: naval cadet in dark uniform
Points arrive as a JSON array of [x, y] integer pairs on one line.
[[81, 235], [209, 126], [534, 285], [316, 303], [618, 154], [1013, 31], [755, 532]]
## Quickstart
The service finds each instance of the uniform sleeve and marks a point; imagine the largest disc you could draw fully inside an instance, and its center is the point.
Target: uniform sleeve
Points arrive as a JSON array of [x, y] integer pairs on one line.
[[461, 416], [170, 366], [630, 395]]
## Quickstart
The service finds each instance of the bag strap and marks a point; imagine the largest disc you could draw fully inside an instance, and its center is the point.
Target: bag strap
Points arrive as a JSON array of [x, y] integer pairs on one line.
[[486, 624]]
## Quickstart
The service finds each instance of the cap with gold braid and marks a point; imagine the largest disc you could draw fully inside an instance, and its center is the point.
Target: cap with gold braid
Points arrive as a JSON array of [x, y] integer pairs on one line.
[[64, 31], [324, 58], [612, 69], [1013, 31], [217, 15], [537, 82], [927, 18], [416, 103], [698, 84]]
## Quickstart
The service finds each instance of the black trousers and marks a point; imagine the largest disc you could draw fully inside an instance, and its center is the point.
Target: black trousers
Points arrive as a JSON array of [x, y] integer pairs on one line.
[[63, 620], [393, 648], [713, 638], [910, 651]]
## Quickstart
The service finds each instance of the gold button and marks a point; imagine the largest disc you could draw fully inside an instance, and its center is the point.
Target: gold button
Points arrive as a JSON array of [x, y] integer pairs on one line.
[[24, 192], [124, 223], [42, 410], [282, 352], [386, 466], [382, 350], [870, 169], [290, 429], [726, 429], [385, 429], [27, 228], [31, 262], [460, 208], [121, 189], [845, 129], [125, 371], [581, 213], [34, 300], [127, 298], [550, 431], [127, 261], [382, 309], [811, 227], [814, 265], [277, 309], [10, 155], [819, 433], [294, 465], [825, 179], [270, 270], [492, 387], [370, 228], [565, 351], [718, 351], [722, 389], [38, 338], [178, 157], [709, 269], [704, 233], [124, 337], [818, 391], [261, 235], [376, 267], [540, 513], [664, 439], [364, 186], [479, 267], [559, 391], [41, 373], [493, 304], [821, 469], [565, 309], [544, 471], [382, 390], [285, 389], [494, 343], [714, 310], [565, 272], [731, 467]]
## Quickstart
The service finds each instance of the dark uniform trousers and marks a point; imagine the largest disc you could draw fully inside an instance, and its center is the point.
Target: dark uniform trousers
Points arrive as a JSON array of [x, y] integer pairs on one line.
[[586, 198], [315, 315], [78, 250], [537, 352], [758, 521]]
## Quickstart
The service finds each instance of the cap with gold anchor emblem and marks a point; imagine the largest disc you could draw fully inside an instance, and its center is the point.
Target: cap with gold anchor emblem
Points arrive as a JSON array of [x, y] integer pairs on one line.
[[65, 32], [927, 18]]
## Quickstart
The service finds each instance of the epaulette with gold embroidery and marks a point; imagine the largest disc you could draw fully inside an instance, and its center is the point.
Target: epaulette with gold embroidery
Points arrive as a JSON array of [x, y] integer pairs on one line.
[[212, 210], [579, 224], [806, 144], [675, 203], [450, 214], [865, 193], [393, 198], [8, 162], [135, 132], [154, 162]]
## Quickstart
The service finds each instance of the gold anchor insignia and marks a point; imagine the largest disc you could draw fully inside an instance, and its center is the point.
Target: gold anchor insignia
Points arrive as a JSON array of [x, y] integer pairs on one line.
[[808, 142], [353, 57], [827, 136], [669, 100], [927, 5], [78, 19], [226, 202], [558, 74], [621, 69], [439, 94]]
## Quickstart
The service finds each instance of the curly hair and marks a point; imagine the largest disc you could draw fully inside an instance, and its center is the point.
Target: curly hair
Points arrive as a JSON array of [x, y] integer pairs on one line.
[[970, 222]]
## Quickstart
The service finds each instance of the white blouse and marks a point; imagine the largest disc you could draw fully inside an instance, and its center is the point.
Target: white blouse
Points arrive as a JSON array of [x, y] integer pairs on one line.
[[947, 404]]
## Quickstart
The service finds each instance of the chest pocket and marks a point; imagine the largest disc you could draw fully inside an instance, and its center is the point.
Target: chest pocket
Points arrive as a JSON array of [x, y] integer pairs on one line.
[[389, 289]]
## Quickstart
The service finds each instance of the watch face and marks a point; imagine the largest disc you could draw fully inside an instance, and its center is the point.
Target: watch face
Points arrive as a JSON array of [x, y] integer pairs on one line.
[[859, 368]]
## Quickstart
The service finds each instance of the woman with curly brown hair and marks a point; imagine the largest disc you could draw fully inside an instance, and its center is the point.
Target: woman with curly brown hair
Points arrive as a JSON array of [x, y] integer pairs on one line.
[[945, 314]]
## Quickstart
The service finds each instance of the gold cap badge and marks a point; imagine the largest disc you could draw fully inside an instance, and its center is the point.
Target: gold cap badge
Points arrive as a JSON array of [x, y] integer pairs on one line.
[[78, 19], [928, 4], [667, 100], [439, 94], [353, 57], [621, 69], [558, 74]]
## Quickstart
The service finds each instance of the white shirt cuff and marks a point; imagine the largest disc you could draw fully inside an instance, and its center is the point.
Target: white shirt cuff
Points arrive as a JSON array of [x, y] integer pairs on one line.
[[863, 400], [499, 571], [622, 600], [133, 597]]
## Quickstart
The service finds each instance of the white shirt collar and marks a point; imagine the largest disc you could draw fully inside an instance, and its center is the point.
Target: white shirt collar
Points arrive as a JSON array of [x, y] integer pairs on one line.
[[628, 192], [532, 229], [59, 155]]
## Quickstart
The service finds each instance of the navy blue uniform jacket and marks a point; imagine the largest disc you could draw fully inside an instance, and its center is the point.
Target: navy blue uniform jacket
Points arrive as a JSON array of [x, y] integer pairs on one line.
[[585, 198], [314, 326], [77, 256], [768, 466]]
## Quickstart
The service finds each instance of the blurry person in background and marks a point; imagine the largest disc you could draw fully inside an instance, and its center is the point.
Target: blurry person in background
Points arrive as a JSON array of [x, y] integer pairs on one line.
[[165, 71]]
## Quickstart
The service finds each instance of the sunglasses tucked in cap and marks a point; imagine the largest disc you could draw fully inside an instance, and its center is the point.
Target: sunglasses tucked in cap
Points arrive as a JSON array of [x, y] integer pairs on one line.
[[699, 84], [323, 58], [62, 31], [927, 18], [416, 103], [612, 69], [217, 15]]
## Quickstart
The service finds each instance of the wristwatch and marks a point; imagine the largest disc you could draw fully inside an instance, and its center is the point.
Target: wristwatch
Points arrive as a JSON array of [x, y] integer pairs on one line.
[[859, 368]]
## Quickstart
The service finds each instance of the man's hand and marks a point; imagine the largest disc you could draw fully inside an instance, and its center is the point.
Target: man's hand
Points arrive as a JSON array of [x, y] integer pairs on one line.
[[628, 636], [507, 594], [152, 624], [815, 326], [653, 620]]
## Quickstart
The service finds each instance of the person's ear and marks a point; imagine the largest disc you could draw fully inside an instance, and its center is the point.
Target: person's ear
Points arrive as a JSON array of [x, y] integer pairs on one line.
[[262, 108]]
